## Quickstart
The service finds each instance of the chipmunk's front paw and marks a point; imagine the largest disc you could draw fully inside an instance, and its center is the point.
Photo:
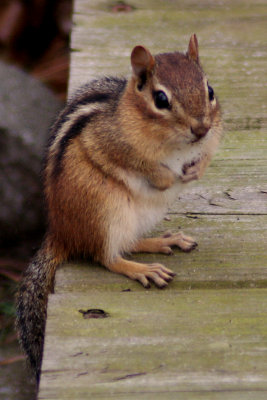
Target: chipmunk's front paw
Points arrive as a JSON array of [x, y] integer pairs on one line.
[[195, 170], [191, 172]]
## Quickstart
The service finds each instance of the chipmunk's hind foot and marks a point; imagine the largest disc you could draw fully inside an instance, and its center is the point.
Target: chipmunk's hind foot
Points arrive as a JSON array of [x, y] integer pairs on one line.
[[164, 243], [184, 242], [144, 273]]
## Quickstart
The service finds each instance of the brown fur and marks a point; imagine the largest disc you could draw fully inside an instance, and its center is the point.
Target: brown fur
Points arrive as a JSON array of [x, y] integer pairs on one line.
[[117, 157]]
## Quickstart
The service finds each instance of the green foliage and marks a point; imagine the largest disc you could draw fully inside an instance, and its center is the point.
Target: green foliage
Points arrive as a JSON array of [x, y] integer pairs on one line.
[[7, 309]]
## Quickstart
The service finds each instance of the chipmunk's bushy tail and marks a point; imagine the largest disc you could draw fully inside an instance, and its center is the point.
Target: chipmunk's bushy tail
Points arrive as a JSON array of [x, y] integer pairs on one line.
[[37, 283]]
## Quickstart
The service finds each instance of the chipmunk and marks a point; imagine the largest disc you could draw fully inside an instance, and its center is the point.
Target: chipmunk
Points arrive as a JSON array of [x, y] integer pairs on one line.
[[118, 155]]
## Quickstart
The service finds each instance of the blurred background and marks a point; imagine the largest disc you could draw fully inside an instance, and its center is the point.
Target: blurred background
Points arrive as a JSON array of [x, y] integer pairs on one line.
[[34, 64], [34, 35]]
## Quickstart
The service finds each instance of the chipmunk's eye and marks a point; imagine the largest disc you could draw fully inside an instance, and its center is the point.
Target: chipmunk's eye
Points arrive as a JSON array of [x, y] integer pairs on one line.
[[161, 99], [211, 93]]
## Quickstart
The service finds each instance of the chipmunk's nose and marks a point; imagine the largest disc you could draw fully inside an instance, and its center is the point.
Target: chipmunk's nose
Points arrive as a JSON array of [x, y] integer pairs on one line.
[[200, 130]]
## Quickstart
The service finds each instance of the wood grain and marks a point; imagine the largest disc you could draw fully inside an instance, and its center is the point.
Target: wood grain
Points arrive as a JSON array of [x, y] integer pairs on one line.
[[205, 335]]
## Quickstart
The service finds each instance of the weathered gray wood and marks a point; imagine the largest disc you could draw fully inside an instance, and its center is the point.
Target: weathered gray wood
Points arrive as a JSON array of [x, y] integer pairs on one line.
[[232, 47], [181, 341], [231, 254], [205, 335], [156, 344]]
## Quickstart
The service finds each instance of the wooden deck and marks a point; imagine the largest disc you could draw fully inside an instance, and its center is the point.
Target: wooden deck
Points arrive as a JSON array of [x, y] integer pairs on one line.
[[205, 336]]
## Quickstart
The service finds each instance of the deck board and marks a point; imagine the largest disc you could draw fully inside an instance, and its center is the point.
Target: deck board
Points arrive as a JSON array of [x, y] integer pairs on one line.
[[194, 341], [205, 335]]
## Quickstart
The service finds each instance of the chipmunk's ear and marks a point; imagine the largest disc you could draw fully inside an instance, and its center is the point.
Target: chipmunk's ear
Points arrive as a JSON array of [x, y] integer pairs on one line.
[[142, 63], [193, 48]]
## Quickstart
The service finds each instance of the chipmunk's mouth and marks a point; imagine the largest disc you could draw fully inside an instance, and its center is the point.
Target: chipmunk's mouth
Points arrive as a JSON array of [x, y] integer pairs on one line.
[[196, 139]]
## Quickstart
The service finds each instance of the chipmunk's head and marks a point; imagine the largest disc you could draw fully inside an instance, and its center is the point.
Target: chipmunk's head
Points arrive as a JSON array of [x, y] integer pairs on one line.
[[173, 88]]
